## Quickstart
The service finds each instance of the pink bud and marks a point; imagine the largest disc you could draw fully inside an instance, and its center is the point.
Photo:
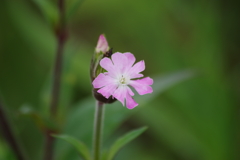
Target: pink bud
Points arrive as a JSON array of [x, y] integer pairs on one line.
[[102, 45]]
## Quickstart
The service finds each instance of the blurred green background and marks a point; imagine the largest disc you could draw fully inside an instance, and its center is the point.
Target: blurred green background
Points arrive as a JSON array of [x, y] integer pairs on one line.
[[197, 119]]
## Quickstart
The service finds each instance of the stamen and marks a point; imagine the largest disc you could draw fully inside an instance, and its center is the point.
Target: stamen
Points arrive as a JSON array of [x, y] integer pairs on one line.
[[122, 80]]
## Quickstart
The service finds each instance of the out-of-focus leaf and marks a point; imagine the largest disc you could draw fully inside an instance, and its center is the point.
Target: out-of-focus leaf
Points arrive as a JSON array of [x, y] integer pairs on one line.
[[165, 123], [123, 141], [162, 83], [72, 7], [49, 10], [79, 146], [81, 116]]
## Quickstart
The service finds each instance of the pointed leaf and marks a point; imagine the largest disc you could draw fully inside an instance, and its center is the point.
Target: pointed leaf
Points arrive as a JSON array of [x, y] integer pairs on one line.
[[79, 146], [123, 141]]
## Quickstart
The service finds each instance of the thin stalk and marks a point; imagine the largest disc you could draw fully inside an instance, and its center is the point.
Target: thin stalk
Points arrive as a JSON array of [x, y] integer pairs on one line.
[[61, 39], [8, 134], [98, 125]]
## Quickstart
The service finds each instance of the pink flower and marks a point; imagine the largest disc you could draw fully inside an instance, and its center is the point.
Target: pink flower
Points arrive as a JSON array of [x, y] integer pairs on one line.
[[102, 45], [121, 73]]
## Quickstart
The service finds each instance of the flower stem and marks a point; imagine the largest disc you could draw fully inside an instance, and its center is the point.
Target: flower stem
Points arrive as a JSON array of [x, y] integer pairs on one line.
[[61, 39], [98, 125]]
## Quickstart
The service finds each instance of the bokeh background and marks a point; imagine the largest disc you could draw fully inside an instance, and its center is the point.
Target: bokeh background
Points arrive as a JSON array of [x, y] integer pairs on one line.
[[197, 119]]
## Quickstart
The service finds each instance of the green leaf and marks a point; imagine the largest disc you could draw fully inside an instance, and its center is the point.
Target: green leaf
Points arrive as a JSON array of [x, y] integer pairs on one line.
[[123, 141], [80, 147]]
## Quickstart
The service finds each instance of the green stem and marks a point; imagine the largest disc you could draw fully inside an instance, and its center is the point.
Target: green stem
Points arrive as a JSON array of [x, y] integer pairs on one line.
[[98, 125]]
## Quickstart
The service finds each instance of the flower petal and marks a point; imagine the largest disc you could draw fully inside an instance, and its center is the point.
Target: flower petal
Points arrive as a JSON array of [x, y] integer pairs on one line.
[[120, 62], [131, 59], [142, 85], [124, 92], [119, 58], [102, 80], [107, 64], [130, 92], [130, 102], [136, 76], [120, 93], [136, 69], [108, 90]]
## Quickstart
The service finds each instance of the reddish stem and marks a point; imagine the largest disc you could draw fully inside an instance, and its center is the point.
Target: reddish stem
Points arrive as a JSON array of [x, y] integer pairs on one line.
[[61, 39]]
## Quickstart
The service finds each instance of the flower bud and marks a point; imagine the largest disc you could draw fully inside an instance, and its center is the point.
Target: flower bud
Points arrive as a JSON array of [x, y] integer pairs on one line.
[[102, 50], [102, 45]]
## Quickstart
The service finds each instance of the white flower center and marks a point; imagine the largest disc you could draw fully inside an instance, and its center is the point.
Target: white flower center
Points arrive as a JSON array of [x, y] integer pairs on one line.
[[123, 80]]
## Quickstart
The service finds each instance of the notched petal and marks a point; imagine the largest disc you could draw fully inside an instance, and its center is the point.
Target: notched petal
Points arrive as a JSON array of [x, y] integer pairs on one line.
[[120, 62], [131, 58], [120, 94], [137, 68], [142, 86], [130, 102], [108, 90], [106, 63], [101, 80]]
